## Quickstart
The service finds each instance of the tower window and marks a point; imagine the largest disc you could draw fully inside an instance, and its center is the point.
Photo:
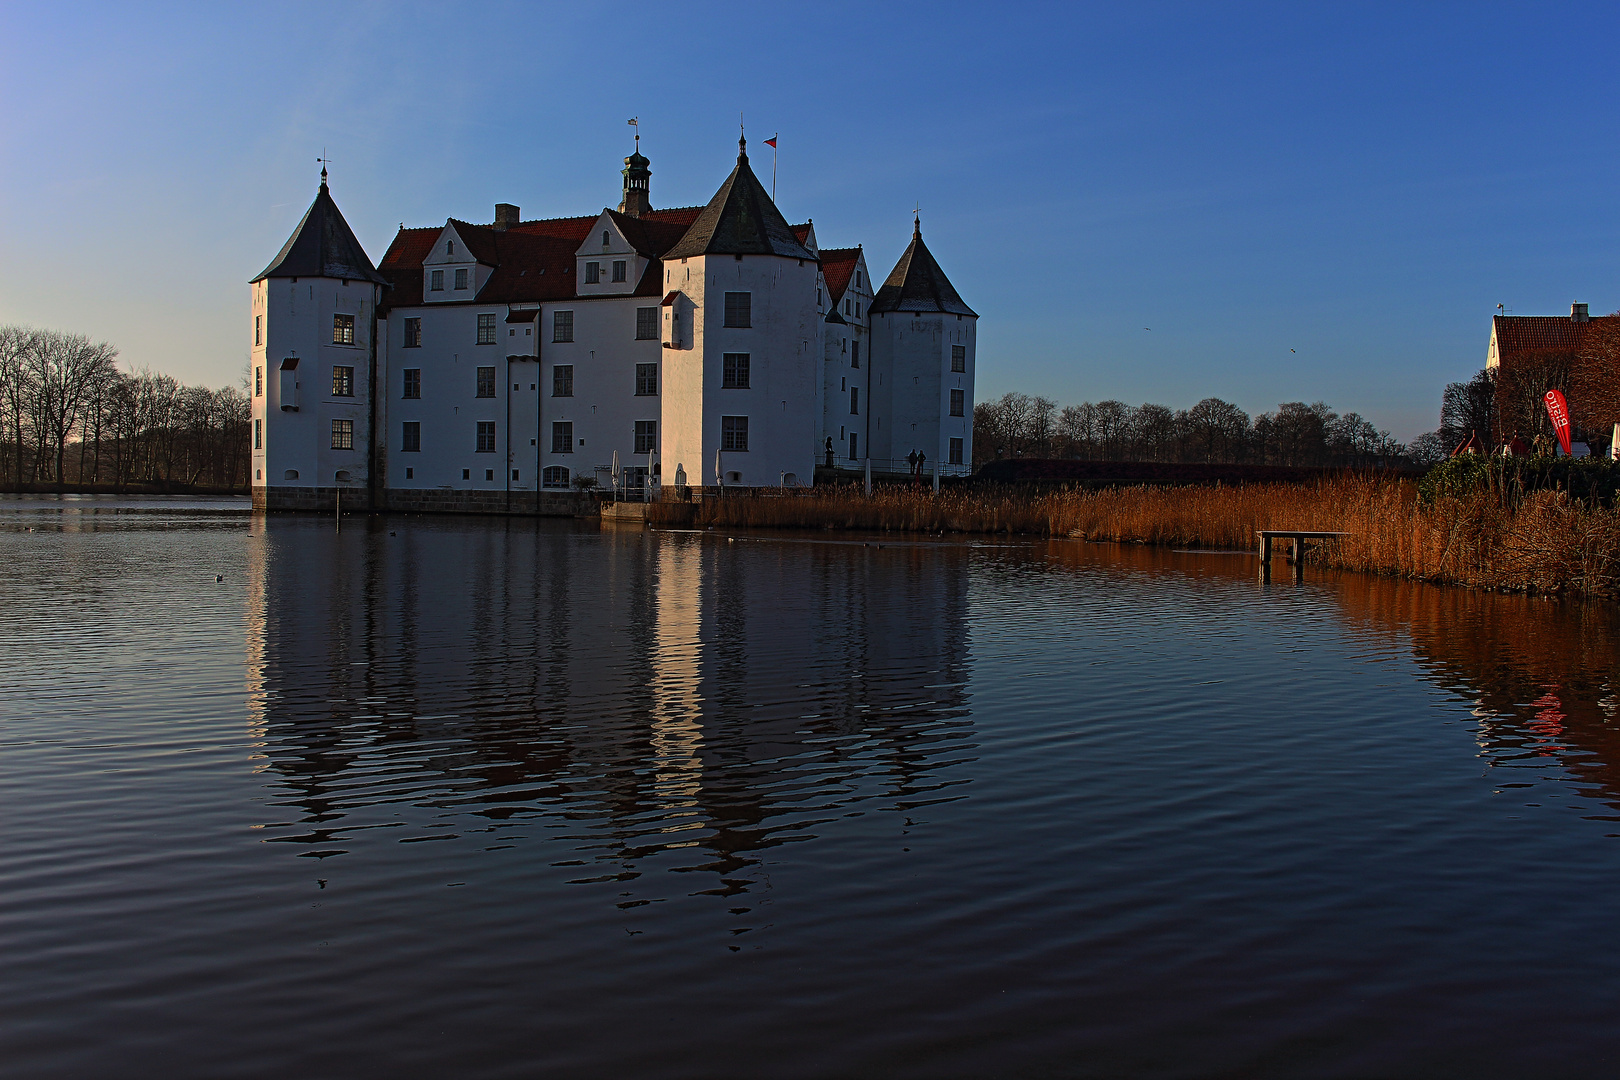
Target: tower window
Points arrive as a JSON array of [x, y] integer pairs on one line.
[[958, 357], [258, 434], [593, 273], [958, 402], [343, 329], [646, 324], [646, 436], [461, 277], [411, 437], [562, 326], [854, 354], [618, 269], [413, 333], [739, 309], [849, 306], [486, 382], [734, 371], [413, 382], [956, 452], [436, 281], [854, 401], [258, 329], [258, 382], [343, 382], [343, 434], [858, 282], [486, 329], [486, 436], [734, 433], [646, 379], [562, 380]]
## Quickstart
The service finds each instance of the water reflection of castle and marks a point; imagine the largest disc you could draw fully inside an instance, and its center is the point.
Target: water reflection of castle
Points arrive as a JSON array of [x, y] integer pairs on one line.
[[669, 695]]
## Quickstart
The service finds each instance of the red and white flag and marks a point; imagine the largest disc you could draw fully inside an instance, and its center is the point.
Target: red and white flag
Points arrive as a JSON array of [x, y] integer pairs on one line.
[[1558, 412]]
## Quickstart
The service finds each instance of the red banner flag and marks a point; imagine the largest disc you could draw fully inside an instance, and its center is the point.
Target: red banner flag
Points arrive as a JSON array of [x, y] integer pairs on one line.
[[1558, 411], [771, 142]]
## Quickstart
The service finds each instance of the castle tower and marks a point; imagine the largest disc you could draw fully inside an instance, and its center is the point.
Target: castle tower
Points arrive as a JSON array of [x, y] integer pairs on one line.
[[314, 311]]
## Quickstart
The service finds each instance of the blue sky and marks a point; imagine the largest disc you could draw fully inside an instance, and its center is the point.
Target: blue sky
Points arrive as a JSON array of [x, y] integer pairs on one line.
[[1362, 184]]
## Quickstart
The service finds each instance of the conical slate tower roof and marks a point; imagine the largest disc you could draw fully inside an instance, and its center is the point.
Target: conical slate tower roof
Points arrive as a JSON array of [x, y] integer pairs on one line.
[[323, 245], [918, 284], [741, 219]]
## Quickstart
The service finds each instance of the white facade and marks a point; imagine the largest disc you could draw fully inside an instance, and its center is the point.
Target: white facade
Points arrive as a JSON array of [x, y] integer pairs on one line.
[[712, 346]]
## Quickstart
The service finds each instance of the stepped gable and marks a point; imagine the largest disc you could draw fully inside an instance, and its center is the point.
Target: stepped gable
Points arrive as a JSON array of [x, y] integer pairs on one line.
[[533, 261], [323, 245], [838, 268], [741, 219], [918, 284]]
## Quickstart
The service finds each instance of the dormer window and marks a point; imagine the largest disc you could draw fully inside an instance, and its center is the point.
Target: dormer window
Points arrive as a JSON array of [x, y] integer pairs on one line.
[[605, 242], [593, 273], [618, 269], [450, 249], [436, 283], [461, 277], [858, 282]]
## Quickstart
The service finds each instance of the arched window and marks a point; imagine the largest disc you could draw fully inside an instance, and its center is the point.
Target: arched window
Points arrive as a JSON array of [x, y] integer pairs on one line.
[[554, 476]]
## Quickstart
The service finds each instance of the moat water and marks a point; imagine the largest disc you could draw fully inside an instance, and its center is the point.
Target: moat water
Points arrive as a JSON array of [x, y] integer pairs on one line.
[[469, 797]]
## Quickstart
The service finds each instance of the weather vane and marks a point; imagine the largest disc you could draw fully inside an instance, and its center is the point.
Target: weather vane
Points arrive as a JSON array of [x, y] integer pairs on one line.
[[635, 122], [324, 162]]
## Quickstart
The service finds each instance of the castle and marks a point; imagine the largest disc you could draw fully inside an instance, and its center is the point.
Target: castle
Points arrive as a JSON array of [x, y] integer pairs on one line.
[[501, 367]]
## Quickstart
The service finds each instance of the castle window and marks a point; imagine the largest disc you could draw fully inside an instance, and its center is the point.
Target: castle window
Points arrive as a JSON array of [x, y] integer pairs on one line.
[[466, 474], [343, 434], [605, 241], [486, 437], [734, 433], [486, 382], [411, 437], [739, 309], [646, 436], [413, 382], [258, 382], [554, 476], [258, 434], [486, 329], [562, 380], [646, 324], [854, 401], [618, 269], [956, 452], [343, 382], [449, 248], [958, 358], [593, 273], [413, 333], [436, 281], [848, 306], [258, 329], [461, 277], [854, 354], [562, 326], [858, 282], [857, 309], [343, 329], [489, 474], [562, 437], [734, 371], [958, 402], [410, 474], [646, 379]]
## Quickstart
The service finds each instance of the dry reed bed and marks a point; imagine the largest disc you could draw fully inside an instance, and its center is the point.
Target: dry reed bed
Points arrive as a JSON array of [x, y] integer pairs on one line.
[[1544, 542]]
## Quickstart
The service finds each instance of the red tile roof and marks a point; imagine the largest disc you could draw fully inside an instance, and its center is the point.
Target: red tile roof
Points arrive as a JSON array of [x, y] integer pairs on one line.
[[838, 267], [1537, 333]]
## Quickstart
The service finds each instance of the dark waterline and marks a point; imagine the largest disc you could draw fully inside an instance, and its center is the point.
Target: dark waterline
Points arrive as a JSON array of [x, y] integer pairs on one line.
[[508, 798]]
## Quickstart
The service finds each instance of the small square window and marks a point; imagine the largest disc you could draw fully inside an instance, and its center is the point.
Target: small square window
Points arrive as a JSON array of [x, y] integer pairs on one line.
[[958, 359], [489, 474], [466, 474], [647, 324], [486, 382], [461, 277], [734, 371], [562, 326], [413, 333], [343, 434], [486, 436], [343, 329], [739, 309], [436, 282], [343, 382], [410, 474], [646, 379], [486, 329]]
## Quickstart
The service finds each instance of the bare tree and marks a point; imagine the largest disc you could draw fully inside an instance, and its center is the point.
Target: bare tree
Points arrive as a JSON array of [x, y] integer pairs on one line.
[[65, 368]]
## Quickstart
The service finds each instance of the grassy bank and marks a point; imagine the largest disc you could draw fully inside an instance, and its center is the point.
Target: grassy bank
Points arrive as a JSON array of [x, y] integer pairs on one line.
[[1543, 541]]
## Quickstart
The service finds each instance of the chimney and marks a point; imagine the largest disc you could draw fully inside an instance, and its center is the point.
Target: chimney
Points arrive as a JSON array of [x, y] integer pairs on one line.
[[1577, 313], [506, 215]]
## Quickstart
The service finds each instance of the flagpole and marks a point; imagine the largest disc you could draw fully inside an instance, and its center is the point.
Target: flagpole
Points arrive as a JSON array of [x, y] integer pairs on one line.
[[773, 165]]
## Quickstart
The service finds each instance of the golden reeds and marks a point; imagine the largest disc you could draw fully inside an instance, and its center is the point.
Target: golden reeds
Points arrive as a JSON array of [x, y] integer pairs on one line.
[[1545, 542]]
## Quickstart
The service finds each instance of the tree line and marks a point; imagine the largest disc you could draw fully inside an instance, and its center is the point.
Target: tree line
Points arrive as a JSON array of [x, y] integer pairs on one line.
[[70, 417], [1019, 425]]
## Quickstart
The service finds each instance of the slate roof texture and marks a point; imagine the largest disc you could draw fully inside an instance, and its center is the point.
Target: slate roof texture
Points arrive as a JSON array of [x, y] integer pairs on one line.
[[741, 219], [323, 245], [918, 284]]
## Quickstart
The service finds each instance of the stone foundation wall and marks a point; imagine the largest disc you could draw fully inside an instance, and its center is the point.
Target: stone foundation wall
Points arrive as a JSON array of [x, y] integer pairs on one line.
[[430, 501]]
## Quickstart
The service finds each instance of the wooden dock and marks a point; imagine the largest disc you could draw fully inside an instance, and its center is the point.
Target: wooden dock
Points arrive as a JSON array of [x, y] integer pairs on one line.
[[1296, 549]]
